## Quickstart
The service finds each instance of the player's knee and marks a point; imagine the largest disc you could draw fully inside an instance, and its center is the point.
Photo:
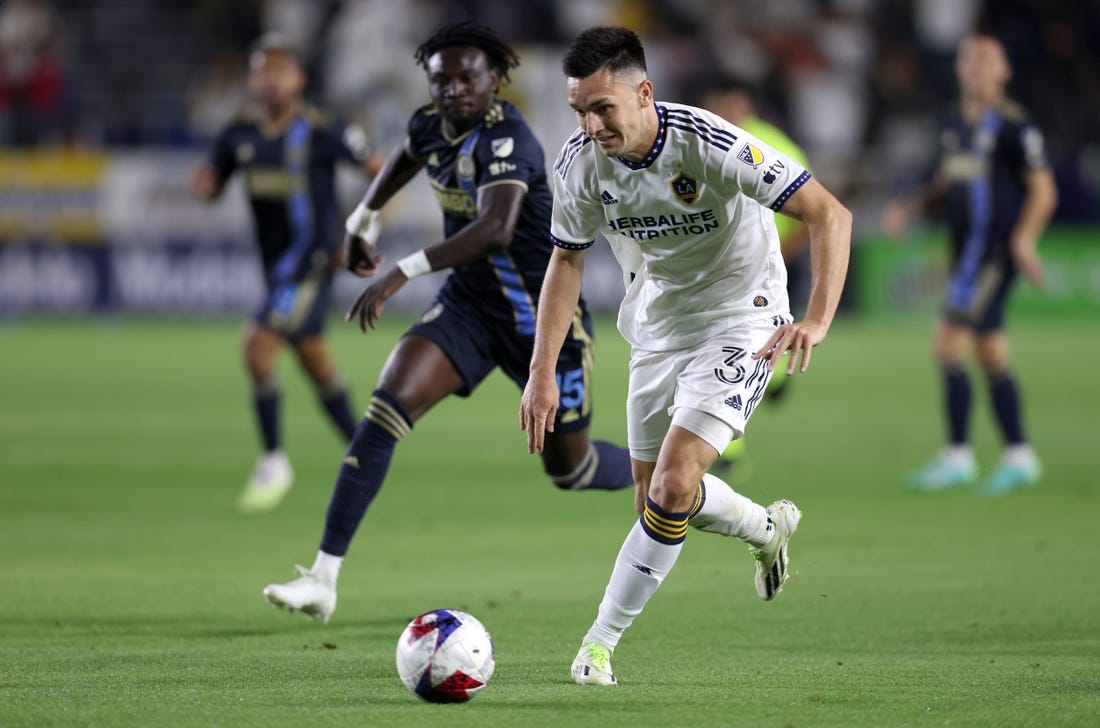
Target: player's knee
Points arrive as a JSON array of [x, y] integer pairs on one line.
[[674, 491]]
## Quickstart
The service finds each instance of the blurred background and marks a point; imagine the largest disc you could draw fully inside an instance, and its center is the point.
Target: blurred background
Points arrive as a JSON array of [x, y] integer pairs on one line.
[[106, 106]]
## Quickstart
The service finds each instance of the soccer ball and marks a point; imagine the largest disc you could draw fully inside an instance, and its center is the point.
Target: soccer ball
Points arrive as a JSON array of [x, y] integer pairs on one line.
[[445, 656]]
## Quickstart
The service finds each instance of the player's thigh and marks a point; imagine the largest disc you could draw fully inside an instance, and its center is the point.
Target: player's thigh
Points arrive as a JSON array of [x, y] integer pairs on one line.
[[419, 374], [951, 342], [642, 471], [651, 392], [259, 347], [720, 385], [573, 369], [315, 358]]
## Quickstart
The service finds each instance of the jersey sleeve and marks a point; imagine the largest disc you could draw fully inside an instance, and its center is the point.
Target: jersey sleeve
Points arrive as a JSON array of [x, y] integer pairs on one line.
[[415, 136], [223, 157], [578, 214], [1033, 153], [760, 172], [508, 152]]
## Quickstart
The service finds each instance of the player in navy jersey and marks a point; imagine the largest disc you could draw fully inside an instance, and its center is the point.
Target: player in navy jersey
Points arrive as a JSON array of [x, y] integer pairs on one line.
[[488, 173], [998, 195], [288, 152]]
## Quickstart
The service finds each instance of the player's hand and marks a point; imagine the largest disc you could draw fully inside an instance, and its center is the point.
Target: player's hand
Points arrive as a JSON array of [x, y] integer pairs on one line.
[[358, 256], [538, 409], [1026, 257], [800, 338], [204, 182], [371, 301]]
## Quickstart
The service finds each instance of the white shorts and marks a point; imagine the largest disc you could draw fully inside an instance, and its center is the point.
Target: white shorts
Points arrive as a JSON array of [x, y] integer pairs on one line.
[[710, 390]]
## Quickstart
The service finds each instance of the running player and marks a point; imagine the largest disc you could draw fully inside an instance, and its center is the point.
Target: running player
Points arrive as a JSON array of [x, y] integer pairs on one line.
[[488, 172], [999, 192], [686, 200], [289, 151]]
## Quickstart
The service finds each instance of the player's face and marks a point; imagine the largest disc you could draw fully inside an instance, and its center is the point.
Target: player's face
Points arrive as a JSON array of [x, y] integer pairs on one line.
[[275, 78], [613, 109], [461, 85], [982, 67]]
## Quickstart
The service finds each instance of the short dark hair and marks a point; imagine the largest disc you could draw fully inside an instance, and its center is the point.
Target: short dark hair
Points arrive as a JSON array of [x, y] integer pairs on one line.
[[500, 55], [614, 48], [277, 43]]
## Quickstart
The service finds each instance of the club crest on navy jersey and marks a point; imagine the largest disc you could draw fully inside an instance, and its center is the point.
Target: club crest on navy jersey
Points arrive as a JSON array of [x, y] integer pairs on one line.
[[502, 147], [685, 188]]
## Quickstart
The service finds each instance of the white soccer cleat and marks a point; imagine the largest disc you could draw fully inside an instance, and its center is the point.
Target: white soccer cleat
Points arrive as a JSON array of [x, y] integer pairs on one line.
[[268, 485], [771, 559], [592, 666], [952, 467], [309, 594]]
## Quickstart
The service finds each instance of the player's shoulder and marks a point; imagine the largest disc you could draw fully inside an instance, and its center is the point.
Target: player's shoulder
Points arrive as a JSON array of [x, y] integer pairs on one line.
[[698, 133], [505, 132], [576, 159], [319, 118], [425, 120], [1013, 113]]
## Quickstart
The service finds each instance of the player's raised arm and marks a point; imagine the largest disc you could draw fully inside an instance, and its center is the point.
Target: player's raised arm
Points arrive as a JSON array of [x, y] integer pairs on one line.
[[830, 230], [498, 209], [362, 227], [561, 290]]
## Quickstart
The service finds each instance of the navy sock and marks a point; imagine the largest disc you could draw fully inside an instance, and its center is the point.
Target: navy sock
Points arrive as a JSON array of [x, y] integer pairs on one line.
[[957, 393], [1006, 406], [337, 404], [266, 400], [613, 471], [364, 469]]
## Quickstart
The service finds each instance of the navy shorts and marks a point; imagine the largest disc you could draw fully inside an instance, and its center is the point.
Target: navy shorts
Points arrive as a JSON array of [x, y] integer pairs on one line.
[[477, 343], [296, 310], [980, 303]]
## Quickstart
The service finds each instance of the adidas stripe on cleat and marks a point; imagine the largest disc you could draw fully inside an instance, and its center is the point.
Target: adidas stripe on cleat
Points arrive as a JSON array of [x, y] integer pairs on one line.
[[772, 564], [592, 666]]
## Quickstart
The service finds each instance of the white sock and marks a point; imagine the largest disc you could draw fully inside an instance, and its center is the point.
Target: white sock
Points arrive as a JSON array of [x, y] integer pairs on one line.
[[1021, 454], [327, 567], [960, 454], [640, 567], [729, 513]]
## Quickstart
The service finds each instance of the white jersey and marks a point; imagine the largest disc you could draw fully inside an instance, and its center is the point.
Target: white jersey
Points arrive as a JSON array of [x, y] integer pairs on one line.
[[692, 225]]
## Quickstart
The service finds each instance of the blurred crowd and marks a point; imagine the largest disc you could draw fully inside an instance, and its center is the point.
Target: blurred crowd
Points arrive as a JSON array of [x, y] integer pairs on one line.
[[859, 83]]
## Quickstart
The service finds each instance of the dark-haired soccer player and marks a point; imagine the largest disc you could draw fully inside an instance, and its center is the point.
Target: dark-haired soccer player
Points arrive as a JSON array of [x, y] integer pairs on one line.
[[489, 176], [289, 151], [686, 200], [999, 193]]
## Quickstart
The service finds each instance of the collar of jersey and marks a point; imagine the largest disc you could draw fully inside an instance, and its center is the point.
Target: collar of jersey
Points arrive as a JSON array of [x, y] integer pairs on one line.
[[658, 143]]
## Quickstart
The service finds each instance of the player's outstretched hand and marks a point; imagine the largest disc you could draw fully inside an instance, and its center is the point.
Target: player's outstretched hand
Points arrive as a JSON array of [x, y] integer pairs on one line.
[[800, 338], [371, 301], [358, 256], [538, 409], [1026, 257]]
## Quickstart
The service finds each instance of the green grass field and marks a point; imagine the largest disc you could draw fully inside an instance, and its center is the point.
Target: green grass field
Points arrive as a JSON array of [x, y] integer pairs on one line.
[[131, 587]]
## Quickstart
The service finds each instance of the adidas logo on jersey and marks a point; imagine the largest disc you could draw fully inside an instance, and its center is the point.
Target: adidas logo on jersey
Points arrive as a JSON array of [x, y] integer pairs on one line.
[[608, 199], [734, 401]]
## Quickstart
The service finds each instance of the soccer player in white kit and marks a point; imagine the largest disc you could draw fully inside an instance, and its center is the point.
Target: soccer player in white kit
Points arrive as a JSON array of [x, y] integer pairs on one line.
[[687, 202]]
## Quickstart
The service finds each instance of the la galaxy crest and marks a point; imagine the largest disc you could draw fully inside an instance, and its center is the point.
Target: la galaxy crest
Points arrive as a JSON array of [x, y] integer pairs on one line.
[[685, 188]]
